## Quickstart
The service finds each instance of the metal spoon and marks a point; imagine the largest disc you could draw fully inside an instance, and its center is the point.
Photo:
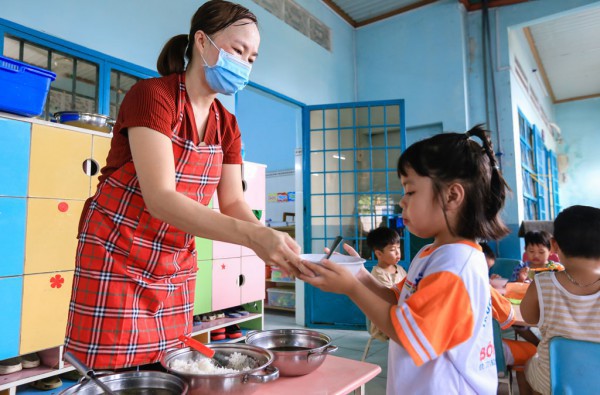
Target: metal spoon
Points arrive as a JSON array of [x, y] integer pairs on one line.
[[334, 245], [219, 360], [87, 372]]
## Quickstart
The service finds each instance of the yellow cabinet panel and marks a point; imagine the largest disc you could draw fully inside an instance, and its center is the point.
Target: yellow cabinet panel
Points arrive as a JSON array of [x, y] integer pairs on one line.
[[56, 166], [46, 299], [51, 238], [100, 148]]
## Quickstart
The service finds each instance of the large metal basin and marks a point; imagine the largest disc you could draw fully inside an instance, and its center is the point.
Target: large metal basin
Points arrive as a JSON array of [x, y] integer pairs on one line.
[[133, 383], [242, 383], [297, 351]]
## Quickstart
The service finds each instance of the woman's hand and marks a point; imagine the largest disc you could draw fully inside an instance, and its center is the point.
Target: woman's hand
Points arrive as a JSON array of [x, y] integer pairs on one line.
[[276, 249]]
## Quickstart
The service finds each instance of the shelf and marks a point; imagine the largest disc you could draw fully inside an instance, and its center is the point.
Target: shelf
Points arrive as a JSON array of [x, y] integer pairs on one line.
[[237, 340], [281, 281], [280, 308], [30, 390], [26, 376], [204, 327]]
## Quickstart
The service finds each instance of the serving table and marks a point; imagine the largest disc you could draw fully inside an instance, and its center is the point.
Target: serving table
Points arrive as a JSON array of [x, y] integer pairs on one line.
[[336, 376]]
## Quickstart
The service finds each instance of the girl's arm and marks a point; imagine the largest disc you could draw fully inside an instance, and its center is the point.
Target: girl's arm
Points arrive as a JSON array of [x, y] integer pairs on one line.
[[152, 154], [376, 287], [332, 277], [530, 305]]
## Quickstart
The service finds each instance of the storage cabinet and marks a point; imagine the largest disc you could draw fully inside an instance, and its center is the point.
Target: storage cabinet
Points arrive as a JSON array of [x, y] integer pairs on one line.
[[43, 186], [47, 172]]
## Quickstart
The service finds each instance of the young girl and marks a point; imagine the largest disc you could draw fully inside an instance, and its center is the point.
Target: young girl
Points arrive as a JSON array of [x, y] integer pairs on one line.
[[439, 317]]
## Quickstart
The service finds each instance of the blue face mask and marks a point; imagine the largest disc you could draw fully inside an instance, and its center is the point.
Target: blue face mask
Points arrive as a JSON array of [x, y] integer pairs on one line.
[[228, 75]]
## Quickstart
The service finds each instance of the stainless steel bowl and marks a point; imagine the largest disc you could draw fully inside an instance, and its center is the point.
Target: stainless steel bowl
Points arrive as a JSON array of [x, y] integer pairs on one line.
[[133, 383], [97, 122], [297, 351], [242, 383]]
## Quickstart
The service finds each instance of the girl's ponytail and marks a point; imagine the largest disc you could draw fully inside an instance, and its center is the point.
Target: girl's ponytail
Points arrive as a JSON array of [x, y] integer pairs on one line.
[[498, 185], [172, 57]]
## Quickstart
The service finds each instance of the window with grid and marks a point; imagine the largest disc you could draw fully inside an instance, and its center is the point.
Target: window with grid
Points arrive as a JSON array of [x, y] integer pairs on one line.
[[352, 179], [530, 192], [79, 84]]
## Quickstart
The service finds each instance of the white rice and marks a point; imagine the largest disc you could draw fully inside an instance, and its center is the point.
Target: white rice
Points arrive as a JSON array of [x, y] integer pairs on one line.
[[237, 363]]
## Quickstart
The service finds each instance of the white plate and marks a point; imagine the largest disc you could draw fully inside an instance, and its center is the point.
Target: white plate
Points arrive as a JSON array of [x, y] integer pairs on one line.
[[351, 263]]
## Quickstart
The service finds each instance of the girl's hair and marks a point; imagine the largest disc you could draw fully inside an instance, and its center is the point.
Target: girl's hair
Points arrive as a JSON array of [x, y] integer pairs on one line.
[[454, 157], [212, 17]]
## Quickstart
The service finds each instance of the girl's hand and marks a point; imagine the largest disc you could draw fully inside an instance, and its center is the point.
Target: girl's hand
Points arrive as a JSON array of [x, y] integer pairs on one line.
[[276, 249], [330, 276]]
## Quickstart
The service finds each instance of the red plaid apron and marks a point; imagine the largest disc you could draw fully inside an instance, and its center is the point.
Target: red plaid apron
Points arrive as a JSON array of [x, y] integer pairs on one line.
[[133, 291]]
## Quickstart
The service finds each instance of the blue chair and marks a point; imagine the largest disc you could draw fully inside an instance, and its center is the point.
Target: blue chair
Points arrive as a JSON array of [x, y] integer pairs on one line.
[[504, 267], [504, 371], [574, 366]]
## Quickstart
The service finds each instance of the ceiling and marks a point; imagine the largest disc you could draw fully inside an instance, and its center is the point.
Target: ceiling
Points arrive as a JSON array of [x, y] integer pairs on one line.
[[566, 49]]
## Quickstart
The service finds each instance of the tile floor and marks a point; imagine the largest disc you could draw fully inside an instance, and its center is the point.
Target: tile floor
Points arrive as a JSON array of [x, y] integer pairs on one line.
[[352, 345]]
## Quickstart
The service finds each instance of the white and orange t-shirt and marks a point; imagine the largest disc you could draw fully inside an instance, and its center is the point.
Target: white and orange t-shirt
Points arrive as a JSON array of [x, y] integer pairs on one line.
[[444, 323]]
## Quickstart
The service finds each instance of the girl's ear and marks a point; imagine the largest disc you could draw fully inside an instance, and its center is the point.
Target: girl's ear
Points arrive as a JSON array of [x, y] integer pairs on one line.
[[554, 246], [455, 195], [200, 39]]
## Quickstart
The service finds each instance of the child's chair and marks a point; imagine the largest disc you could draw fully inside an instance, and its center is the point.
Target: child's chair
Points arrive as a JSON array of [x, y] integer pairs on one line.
[[368, 346], [504, 371], [504, 267], [574, 366]]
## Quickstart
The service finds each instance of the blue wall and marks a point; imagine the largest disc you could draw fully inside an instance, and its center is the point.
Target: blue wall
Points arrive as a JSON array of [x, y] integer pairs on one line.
[[136, 30], [269, 128], [580, 125], [418, 56]]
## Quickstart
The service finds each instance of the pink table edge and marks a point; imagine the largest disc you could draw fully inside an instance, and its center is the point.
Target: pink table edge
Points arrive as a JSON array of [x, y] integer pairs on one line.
[[336, 376]]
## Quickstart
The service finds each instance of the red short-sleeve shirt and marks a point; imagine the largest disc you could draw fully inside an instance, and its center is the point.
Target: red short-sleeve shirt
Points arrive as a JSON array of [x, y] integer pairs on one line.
[[152, 103]]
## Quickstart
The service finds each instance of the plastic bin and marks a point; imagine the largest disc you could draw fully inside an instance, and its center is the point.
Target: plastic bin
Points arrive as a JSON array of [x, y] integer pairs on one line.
[[23, 87], [277, 275], [281, 297]]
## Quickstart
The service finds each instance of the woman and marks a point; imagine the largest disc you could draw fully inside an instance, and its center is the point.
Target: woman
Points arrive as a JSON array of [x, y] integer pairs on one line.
[[174, 144]]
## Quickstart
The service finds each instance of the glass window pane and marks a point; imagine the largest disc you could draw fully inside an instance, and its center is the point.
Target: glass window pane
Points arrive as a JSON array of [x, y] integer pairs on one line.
[[85, 104], [377, 117], [346, 117], [332, 183], [316, 140], [332, 205], [316, 205], [12, 48], [63, 66], [347, 138], [317, 161], [393, 138], [393, 155], [86, 81], [348, 204], [347, 160], [363, 159], [317, 181], [35, 55], [394, 182], [331, 118], [392, 115], [332, 161], [332, 139], [317, 246], [363, 137], [362, 116], [317, 227], [316, 119]]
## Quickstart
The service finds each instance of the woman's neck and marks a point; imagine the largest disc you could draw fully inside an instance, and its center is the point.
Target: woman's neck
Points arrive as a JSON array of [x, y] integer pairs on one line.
[[199, 93]]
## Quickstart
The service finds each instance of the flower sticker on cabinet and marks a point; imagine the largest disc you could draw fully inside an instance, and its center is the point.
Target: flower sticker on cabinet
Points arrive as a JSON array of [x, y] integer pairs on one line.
[[56, 281]]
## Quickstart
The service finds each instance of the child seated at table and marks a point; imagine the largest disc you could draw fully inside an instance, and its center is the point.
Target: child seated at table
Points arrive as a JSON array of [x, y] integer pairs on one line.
[[566, 303], [385, 243], [538, 249]]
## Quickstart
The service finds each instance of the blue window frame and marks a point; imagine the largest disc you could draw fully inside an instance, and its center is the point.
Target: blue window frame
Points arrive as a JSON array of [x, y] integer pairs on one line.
[[539, 173], [88, 81]]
